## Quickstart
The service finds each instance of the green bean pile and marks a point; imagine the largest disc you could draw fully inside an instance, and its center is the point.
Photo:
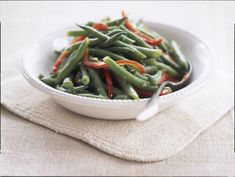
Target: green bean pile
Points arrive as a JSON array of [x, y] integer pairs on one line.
[[116, 59]]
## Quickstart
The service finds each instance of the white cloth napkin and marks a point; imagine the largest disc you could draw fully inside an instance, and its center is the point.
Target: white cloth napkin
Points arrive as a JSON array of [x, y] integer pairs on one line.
[[157, 139]]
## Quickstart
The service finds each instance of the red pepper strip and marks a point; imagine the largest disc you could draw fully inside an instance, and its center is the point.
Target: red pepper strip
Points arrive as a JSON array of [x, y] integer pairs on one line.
[[156, 42], [77, 39], [143, 36], [100, 26], [146, 38], [109, 83], [59, 60], [143, 93], [149, 94], [64, 54], [128, 24], [135, 64], [101, 64], [164, 77]]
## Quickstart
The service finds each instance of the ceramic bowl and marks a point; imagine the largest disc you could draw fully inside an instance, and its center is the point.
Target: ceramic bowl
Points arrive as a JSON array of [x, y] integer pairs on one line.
[[39, 59]]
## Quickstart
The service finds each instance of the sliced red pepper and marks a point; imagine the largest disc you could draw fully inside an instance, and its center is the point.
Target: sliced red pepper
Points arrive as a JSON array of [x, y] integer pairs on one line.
[[59, 60], [164, 77], [149, 94], [146, 38], [135, 64], [100, 26], [143, 93], [109, 83], [128, 24], [156, 42], [77, 39], [101, 64], [65, 53], [90, 64]]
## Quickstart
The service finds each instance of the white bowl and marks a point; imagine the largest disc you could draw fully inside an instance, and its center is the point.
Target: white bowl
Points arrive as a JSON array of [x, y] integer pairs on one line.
[[39, 59]]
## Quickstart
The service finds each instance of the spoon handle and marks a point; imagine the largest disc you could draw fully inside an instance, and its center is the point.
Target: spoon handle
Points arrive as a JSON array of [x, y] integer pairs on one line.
[[148, 112], [152, 107]]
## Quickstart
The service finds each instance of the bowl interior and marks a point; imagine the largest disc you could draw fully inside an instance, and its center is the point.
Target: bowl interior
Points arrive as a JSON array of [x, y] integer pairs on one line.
[[40, 58]]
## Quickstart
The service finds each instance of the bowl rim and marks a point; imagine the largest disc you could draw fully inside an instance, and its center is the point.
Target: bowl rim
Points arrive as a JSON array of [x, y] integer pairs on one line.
[[72, 98]]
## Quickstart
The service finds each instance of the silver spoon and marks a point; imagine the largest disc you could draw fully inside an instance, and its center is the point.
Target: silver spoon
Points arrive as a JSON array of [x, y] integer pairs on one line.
[[152, 107]]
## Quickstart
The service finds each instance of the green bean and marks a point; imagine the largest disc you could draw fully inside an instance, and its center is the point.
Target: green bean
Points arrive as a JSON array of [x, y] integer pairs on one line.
[[97, 82], [136, 73], [150, 69], [85, 77], [159, 59], [139, 41], [116, 22], [121, 97], [116, 91], [154, 36], [114, 31], [91, 95], [172, 72], [112, 39], [49, 80], [158, 76], [104, 53], [123, 38], [76, 45], [126, 39], [61, 89], [151, 79], [67, 83], [125, 50], [78, 88], [70, 66], [178, 55], [136, 54], [93, 32], [152, 53], [77, 33], [167, 60], [128, 89], [90, 23], [41, 76], [130, 78], [73, 90]]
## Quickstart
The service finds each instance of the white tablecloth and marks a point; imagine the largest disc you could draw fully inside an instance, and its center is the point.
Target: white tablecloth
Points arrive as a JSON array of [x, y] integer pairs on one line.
[[29, 149]]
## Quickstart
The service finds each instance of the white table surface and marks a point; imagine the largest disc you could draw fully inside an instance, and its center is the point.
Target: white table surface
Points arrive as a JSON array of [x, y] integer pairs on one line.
[[35, 150]]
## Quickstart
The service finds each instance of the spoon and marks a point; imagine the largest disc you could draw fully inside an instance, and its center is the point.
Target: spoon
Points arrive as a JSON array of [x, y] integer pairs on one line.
[[152, 106]]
